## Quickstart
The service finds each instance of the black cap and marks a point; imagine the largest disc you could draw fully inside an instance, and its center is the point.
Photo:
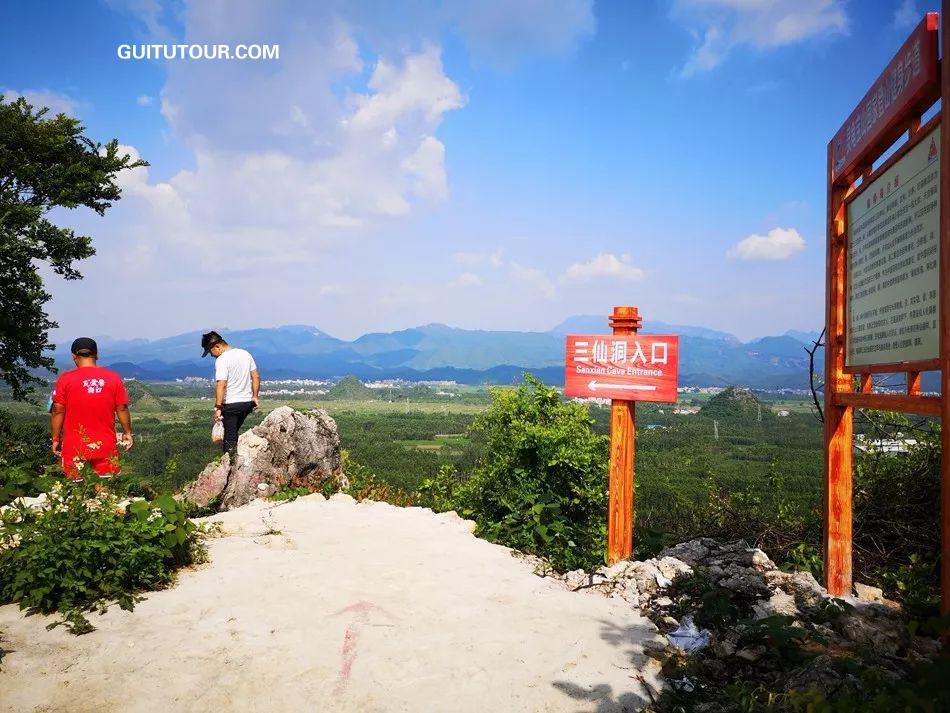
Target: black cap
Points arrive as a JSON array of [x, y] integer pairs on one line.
[[85, 346], [208, 340]]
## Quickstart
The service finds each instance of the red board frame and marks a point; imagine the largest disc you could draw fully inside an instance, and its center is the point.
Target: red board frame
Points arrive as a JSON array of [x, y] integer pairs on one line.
[[848, 161], [647, 368], [911, 78]]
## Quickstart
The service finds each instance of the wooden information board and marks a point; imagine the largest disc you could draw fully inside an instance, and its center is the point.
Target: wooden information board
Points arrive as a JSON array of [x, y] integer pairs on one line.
[[888, 275]]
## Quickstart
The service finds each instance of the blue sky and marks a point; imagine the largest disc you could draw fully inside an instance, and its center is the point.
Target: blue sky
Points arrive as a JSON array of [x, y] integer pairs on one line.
[[494, 165]]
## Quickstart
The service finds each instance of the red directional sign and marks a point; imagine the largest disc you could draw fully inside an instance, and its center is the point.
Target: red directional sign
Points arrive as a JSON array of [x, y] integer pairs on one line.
[[635, 367]]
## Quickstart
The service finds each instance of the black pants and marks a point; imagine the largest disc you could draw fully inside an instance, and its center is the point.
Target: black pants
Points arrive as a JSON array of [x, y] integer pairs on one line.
[[233, 416]]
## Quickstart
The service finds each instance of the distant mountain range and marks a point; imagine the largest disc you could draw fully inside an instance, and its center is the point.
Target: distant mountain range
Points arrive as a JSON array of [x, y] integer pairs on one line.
[[436, 351]]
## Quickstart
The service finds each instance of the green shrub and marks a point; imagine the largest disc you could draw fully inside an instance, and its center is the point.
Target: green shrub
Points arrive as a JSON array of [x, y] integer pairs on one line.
[[289, 493], [17, 481], [540, 485], [25, 459], [86, 550], [441, 492]]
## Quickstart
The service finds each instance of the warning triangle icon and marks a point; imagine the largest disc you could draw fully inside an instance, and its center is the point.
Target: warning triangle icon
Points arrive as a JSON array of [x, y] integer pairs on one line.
[[933, 150]]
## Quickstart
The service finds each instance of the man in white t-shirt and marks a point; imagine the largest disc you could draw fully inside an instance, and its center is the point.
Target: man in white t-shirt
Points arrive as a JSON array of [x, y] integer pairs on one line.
[[237, 385]]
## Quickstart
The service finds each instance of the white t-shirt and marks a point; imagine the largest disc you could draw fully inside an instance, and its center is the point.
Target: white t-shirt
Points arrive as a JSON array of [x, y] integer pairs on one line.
[[235, 366]]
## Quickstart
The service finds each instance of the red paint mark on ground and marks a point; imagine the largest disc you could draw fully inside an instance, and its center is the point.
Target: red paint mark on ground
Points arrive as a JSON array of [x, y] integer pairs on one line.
[[350, 640], [361, 613]]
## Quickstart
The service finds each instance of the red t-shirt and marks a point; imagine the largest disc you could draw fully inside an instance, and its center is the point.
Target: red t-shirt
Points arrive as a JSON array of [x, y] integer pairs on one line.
[[90, 395]]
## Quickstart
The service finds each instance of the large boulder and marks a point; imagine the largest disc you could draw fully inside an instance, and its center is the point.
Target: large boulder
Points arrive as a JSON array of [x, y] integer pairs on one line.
[[288, 448]]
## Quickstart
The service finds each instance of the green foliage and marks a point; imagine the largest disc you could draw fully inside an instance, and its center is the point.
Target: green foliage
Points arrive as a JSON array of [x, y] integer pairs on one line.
[[85, 551], [540, 484], [914, 585], [25, 459], [45, 163], [289, 493], [16, 482], [441, 492], [897, 514], [713, 605], [785, 644], [805, 557], [387, 444], [366, 485]]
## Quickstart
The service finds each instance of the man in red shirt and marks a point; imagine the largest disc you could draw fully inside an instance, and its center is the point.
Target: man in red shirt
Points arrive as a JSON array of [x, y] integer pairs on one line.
[[87, 401]]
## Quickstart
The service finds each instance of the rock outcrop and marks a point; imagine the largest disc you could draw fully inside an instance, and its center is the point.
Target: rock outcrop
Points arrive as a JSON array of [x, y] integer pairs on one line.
[[753, 601], [289, 448]]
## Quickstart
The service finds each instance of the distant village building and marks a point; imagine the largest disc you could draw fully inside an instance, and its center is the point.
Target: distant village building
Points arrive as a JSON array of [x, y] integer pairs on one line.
[[898, 446]]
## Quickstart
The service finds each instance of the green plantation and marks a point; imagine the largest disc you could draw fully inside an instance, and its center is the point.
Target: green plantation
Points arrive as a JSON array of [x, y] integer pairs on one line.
[[739, 467], [530, 469]]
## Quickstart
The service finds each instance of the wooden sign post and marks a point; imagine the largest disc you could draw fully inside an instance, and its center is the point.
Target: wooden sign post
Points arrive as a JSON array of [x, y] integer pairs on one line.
[[623, 425], [888, 266], [624, 367]]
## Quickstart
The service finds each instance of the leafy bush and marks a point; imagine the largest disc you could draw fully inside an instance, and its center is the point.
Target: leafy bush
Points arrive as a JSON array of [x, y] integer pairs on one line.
[[289, 493], [897, 515], [441, 492], [25, 459], [540, 485], [86, 550], [17, 481]]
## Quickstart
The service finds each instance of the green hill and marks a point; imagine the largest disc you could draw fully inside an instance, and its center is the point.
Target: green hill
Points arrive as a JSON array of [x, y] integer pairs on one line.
[[349, 388], [143, 400], [736, 404]]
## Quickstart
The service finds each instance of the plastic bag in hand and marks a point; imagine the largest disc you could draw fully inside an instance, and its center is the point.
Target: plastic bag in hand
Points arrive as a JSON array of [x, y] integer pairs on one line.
[[217, 432]]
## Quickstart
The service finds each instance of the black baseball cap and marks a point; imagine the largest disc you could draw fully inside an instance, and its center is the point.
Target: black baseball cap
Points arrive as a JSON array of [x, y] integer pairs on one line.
[[208, 340], [85, 346]]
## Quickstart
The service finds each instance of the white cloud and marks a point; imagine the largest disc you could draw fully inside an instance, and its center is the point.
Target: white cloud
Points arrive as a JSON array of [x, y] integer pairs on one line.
[[298, 172], [38, 98], [277, 201], [418, 87], [604, 265], [144, 100], [532, 278], [476, 259], [719, 26], [777, 244], [467, 279], [332, 289], [907, 15]]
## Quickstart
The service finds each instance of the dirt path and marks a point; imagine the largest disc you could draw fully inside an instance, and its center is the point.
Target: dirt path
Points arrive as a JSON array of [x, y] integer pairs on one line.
[[352, 607]]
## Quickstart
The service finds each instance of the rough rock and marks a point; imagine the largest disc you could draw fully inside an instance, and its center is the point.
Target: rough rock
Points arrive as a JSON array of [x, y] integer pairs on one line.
[[876, 626], [690, 552], [818, 673], [780, 603], [751, 654], [750, 581], [801, 585], [869, 593], [289, 448]]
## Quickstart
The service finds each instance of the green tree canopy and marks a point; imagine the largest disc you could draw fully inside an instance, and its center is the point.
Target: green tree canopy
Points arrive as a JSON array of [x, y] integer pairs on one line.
[[45, 163], [540, 485]]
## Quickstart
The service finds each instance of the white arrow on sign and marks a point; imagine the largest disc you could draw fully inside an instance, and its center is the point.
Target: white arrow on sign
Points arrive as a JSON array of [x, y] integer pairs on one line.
[[593, 386]]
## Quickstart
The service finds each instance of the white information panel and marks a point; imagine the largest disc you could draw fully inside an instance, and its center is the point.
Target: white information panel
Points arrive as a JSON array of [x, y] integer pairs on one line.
[[893, 259]]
